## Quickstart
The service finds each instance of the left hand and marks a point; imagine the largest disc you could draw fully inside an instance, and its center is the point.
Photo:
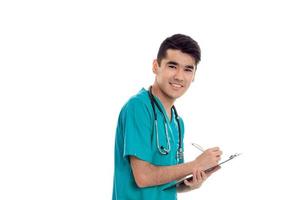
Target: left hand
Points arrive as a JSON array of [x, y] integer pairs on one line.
[[199, 177]]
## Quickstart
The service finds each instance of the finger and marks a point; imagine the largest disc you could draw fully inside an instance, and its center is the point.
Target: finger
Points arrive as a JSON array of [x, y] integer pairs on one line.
[[215, 149], [195, 177], [203, 175], [188, 183], [199, 179], [199, 176], [219, 153]]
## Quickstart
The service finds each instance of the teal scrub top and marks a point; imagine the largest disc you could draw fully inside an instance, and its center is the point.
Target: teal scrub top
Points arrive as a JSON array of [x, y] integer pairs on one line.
[[136, 136]]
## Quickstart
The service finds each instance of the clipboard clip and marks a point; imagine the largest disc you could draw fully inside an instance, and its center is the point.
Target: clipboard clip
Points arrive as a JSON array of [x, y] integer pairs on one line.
[[234, 155]]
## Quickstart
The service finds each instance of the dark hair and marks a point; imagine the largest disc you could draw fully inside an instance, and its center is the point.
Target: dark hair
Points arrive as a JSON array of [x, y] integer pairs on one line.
[[180, 42]]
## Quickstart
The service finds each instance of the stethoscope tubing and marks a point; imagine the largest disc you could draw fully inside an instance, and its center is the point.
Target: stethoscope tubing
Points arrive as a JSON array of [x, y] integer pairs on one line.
[[160, 148]]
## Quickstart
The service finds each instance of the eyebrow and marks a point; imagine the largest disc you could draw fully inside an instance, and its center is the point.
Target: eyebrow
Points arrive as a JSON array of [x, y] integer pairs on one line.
[[192, 67], [172, 63]]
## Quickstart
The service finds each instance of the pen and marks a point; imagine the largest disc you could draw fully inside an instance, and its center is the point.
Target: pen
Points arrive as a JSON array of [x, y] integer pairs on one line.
[[198, 147]]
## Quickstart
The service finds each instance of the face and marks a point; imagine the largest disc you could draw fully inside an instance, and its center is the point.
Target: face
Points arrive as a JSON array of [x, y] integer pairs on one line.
[[175, 73]]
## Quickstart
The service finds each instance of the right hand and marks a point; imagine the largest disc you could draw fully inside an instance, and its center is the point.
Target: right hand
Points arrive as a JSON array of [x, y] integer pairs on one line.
[[209, 158]]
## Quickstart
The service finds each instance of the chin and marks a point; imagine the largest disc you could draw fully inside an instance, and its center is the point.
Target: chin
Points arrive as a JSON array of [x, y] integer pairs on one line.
[[172, 93], [175, 95]]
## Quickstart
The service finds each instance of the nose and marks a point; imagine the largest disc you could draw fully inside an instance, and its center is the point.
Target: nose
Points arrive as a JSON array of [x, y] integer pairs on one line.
[[179, 75]]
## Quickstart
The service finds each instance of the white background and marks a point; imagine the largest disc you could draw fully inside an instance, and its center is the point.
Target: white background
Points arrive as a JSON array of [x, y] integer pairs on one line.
[[67, 67]]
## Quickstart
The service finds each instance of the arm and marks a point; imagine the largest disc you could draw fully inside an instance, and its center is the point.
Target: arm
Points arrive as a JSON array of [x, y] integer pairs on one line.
[[146, 174]]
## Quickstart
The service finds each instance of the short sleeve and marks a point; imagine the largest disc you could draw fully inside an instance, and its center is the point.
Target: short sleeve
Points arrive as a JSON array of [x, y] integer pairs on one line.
[[137, 130]]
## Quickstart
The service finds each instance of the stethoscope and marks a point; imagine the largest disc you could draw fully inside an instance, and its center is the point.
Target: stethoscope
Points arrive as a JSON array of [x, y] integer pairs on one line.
[[162, 149]]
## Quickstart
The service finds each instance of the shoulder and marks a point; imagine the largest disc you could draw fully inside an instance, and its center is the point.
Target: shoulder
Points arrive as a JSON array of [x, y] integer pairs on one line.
[[139, 103]]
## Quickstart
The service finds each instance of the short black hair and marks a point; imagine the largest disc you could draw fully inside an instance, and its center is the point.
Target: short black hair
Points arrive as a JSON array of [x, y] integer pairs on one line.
[[180, 42]]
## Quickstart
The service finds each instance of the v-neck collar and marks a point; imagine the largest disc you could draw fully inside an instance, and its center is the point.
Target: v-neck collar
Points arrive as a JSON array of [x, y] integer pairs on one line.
[[164, 110]]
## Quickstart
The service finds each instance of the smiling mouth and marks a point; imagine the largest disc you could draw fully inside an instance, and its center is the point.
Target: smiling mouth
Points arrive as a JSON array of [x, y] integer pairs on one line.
[[175, 85]]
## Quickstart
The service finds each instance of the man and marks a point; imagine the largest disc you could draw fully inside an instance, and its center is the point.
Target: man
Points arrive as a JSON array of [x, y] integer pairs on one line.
[[149, 135]]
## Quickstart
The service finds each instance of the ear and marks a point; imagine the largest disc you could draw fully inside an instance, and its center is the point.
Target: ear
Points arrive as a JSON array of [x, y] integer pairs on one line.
[[155, 66]]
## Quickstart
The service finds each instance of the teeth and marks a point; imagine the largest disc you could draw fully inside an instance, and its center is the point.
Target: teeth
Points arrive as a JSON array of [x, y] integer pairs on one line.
[[176, 85]]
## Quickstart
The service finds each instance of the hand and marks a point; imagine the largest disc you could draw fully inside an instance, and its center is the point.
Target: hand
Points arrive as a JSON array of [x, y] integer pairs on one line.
[[209, 158], [199, 177]]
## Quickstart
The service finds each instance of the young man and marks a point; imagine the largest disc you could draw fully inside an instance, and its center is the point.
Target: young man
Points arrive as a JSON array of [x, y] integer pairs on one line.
[[149, 135]]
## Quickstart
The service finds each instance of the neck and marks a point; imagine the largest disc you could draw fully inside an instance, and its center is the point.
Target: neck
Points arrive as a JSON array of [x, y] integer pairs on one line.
[[165, 100]]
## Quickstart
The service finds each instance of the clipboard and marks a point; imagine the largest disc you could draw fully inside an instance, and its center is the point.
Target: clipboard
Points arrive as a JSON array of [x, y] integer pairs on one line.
[[190, 177]]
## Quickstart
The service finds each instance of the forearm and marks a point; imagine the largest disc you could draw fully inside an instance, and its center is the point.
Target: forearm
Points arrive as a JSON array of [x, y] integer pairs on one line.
[[165, 174], [156, 175], [146, 174]]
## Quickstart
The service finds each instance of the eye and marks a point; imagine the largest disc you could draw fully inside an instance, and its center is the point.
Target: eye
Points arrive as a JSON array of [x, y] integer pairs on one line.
[[172, 66], [188, 70]]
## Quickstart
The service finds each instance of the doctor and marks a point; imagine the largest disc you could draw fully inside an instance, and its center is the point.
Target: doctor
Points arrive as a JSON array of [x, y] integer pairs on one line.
[[149, 135]]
